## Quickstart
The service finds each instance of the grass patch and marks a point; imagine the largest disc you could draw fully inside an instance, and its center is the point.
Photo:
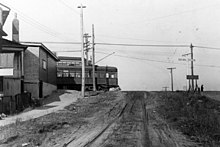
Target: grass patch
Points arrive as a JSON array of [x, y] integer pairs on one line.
[[195, 115]]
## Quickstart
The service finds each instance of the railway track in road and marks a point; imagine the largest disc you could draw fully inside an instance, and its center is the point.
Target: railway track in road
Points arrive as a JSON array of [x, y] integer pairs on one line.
[[128, 128]]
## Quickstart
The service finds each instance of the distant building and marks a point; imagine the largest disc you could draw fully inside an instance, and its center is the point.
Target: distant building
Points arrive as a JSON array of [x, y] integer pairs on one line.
[[40, 69], [11, 68]]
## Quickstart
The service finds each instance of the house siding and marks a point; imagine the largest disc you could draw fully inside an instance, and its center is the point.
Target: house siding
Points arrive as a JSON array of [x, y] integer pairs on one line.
[[52, 71], [11, 86], [35, 74], [48, 75], [31, 63], [31, 71], [33, 88], [43, 72], [48, 89]]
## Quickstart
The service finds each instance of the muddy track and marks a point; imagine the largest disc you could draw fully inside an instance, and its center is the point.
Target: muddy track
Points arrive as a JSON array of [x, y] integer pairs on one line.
[[128, 128]]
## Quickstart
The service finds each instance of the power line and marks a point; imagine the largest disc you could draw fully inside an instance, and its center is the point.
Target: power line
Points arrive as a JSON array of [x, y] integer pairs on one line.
[[176, 14], [39, 27], [145, 45], [130, 57], [205, 47], [159, 61], [104, 57], [138, 39], [148, 53], [69, 7], [36, 24], [53, 42], [69, 51]]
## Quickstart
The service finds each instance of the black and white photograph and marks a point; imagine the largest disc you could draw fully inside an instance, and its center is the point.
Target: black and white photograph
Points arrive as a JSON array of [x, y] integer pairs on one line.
[[109, 73]]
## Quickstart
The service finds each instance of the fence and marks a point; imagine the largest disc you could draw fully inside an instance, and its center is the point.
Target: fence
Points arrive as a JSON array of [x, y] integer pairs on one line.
[[15, 104]]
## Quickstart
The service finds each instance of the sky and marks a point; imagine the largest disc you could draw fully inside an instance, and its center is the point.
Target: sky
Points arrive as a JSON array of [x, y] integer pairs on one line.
[[139, 22]]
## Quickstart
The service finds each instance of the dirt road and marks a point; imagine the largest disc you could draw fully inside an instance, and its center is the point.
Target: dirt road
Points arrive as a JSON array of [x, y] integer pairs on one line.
[[127, 128], [111, 119]]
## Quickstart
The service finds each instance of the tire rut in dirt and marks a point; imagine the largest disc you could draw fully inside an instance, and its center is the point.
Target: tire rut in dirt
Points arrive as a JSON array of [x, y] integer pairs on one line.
[[129, 128]]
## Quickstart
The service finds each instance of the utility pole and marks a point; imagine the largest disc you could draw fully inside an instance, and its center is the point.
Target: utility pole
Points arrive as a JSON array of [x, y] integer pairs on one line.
[[171, 71], [86, 36], [93, 59], [191, 47], [82, 53]]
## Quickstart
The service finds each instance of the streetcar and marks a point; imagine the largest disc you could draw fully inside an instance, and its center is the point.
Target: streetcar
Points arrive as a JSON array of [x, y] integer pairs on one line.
[[69, 76]]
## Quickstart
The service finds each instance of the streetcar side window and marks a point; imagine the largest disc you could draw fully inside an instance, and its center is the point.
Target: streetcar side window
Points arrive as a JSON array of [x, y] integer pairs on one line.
[[78, 74], [59, 73], [107, 75], [87, 75], [72, 74], [113, 75], [102, 75], [65, 73]]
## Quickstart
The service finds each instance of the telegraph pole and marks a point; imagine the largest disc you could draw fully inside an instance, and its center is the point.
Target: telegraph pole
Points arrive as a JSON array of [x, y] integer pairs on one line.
[[86, 35], [191, 47], [171, 71], [93, 59], [82, 53]]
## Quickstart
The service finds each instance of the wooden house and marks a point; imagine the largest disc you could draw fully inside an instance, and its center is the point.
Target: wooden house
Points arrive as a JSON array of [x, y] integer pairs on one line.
[[11, 68], [40, 69]]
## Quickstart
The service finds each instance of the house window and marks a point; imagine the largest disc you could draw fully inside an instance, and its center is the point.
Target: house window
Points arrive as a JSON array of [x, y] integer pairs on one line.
[[44, 64]]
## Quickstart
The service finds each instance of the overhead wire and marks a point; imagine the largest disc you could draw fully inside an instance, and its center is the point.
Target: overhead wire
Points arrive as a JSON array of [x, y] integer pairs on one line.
[[138, 39], [39, 27], [36, 24], [160, 61], [67, 51], [206, 47], [54, 42], [176, 14], [145, 45], [69, 7], [124, 56]]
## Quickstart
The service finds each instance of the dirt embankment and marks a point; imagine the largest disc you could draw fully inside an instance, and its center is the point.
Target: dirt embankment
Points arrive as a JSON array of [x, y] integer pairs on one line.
[[196, 116]]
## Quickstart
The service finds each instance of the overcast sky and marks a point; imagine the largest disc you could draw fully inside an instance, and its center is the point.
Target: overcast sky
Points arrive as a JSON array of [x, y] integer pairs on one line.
[[158, 22]]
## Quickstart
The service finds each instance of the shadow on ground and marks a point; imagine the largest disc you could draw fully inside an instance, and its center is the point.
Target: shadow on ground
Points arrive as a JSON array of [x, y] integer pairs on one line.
[[54, 97]]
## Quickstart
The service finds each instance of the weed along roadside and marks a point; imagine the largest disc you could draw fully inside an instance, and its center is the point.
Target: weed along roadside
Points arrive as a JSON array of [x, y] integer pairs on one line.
[[195, 116]]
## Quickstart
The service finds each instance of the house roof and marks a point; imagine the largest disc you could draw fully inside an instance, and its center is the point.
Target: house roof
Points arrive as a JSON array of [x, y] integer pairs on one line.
[[2, 33], [39, 44], [10, 46], [69, 58], [8, 43]]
